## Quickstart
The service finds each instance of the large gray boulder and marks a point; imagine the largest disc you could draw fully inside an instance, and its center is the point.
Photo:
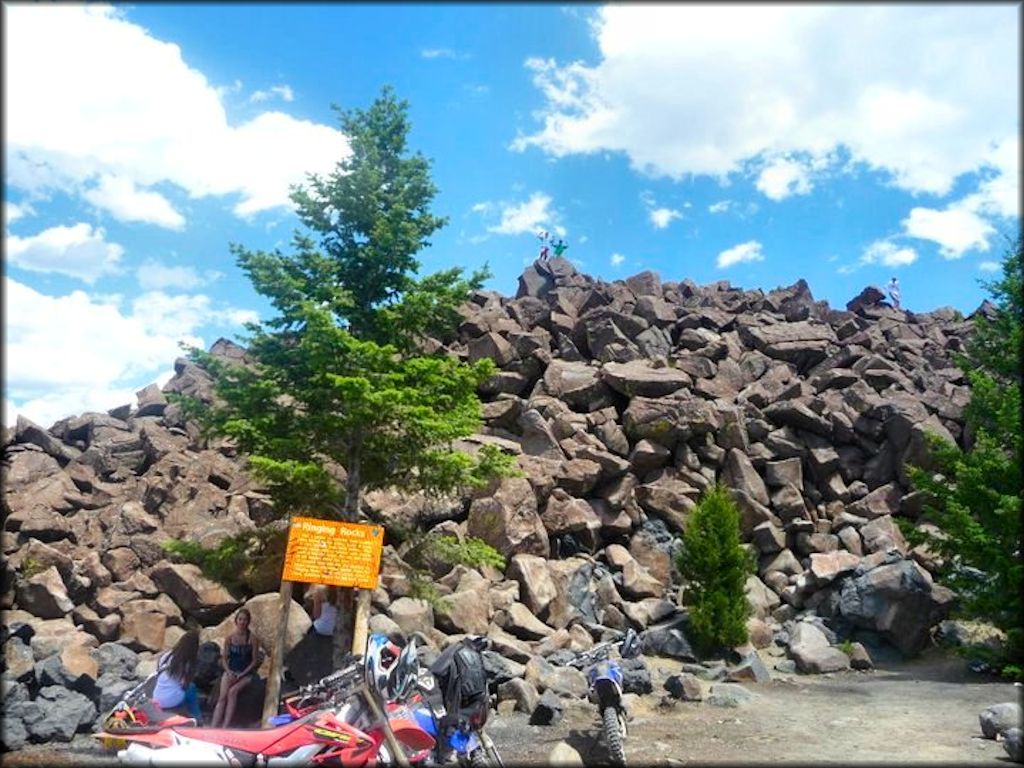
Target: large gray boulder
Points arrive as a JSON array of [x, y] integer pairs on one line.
[[898, 600]]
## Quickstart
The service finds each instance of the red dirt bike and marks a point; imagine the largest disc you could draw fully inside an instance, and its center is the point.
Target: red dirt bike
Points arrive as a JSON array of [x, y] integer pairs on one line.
[[342, 731]]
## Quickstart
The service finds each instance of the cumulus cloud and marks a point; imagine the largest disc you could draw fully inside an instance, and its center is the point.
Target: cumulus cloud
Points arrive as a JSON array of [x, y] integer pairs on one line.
[[888, 254], [283, 92], [662, 217], [77, 251], [617, 259], [748, 251], [122, 198], [60, 359], [154, 275], [720, 207], [784, 177], [100, 119], [989, 266], [15, 211], [916, 91], [957, 229], [525, 217]]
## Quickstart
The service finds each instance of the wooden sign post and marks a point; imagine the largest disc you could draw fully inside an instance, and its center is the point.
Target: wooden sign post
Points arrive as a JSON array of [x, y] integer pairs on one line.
[[325, 552]]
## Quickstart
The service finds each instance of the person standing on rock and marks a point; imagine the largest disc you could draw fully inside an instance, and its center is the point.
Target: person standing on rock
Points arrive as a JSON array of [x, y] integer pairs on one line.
[[560, 247], [239, 659], [893, 289], [544, 252], [175, 684]]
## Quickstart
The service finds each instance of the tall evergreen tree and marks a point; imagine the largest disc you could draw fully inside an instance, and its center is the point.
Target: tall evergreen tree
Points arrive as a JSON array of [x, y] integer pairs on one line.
[[343, 395], [975, 496]]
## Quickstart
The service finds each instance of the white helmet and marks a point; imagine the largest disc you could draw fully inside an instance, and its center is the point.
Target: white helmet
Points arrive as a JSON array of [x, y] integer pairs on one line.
[[381, 655]]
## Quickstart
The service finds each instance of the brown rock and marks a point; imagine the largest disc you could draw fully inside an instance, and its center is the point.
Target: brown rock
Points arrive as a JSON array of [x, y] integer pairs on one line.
[[508, 519], [45, 595], [144, 631], [196, 595], [536, 588]]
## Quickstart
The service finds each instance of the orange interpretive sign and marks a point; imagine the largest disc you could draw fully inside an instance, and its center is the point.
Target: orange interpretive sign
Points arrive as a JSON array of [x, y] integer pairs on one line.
[[332, 552]]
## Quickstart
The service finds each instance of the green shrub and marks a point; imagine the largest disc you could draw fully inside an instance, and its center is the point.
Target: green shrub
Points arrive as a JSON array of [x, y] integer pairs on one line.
[[237, 560], [715, 567]]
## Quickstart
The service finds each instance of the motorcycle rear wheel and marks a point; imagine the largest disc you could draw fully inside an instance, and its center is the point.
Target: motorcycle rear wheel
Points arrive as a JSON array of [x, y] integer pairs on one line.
[[613, 735], [478, 759]]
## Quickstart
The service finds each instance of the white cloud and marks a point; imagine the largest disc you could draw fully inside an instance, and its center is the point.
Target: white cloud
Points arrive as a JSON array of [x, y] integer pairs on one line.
[[526, 217], [888, 254], [120, 196], [283, 92], [441, 53], [720, 207], [484, 207], [784, 177], [748, 251], [662, 217], [15, 211], [153, 275], [617, 259], [989, 266], [155, 120], [917, 91], [957, 229], [77, 251], [582, 239], [68, 354]]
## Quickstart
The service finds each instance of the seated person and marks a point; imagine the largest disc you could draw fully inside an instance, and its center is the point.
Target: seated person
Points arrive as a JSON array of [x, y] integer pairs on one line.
[[325, 610], [239, 660], [176, 669]]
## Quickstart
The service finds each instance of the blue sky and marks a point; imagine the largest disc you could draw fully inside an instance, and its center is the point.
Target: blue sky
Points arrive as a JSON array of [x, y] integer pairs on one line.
[[758, 144]]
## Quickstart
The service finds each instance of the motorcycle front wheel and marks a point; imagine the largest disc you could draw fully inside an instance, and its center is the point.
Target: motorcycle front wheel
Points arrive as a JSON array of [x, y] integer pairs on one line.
[[613, 735]]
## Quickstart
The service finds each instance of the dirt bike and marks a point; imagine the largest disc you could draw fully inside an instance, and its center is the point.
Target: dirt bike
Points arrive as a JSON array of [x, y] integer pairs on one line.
[[335, 733], [455, 721], [604, 681]]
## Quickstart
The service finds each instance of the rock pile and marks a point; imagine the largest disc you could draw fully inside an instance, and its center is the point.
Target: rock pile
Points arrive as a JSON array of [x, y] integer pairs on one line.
[[623, 402]]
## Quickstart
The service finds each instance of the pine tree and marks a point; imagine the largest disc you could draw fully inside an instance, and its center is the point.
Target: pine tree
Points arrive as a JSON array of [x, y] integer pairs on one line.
[[715, 567], [974, 496], [344, 395]]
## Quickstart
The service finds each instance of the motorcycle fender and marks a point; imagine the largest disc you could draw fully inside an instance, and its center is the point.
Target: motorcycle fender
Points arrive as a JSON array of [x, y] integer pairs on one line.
[[186, 752], [607, 693]]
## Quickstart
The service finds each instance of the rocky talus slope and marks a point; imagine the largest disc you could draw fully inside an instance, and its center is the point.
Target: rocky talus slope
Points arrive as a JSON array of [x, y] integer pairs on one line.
[[623, 402]]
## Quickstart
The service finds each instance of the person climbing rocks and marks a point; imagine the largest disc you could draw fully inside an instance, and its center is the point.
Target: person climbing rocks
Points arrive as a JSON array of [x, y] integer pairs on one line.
[[893, 289], [544, 238]]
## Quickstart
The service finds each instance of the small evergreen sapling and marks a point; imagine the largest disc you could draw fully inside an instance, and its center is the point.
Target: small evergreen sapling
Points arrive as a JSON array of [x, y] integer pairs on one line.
[[715, 567]]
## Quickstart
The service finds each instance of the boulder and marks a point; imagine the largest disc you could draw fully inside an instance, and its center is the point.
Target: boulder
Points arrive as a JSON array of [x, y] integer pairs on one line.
[[536, 588], [999, 718], [508, 519], [898, 600], [412, 615], [45, 595], [684, 687], [811, 651], [198, 597]]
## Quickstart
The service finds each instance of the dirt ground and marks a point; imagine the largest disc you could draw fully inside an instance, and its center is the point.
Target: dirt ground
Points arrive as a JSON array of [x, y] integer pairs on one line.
[[920, 711]]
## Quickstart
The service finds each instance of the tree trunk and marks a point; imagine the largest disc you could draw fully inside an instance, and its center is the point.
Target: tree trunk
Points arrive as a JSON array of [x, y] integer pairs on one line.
[[345, 623]]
